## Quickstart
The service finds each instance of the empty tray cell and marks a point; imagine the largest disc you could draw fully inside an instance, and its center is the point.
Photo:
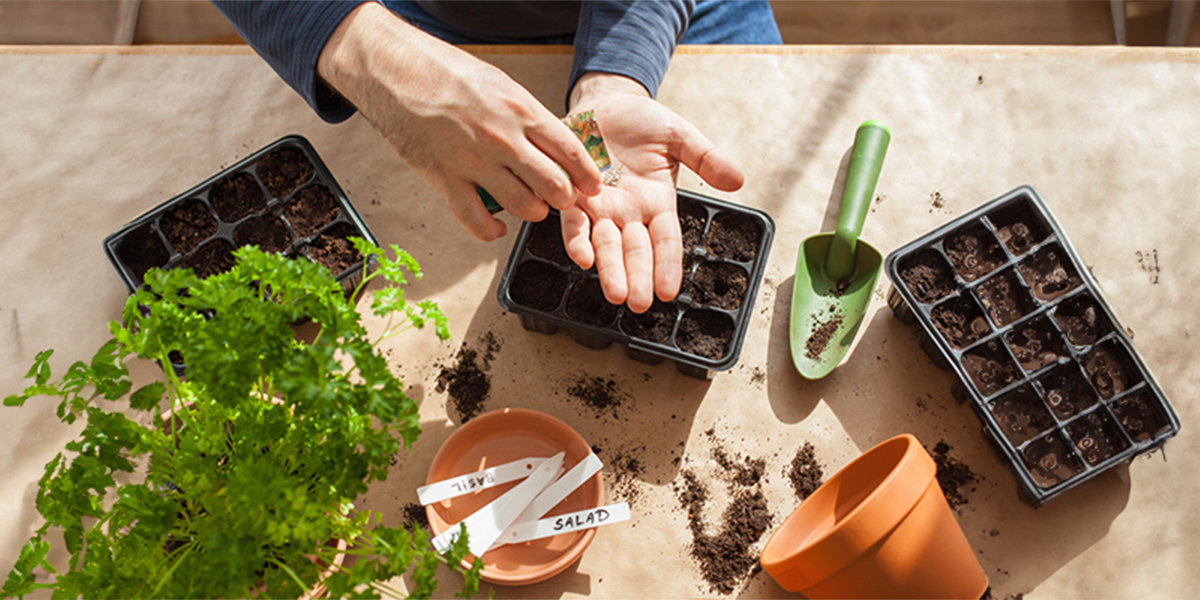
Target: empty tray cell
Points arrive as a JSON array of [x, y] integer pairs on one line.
[[1021, 415], [1082, 320], [334, 250], [960, 321], [1050, 461], [546, 241], [284, 169], [1004, 297], [141, 250], [735, 236], [654, 325], [1036, 344], [1019, 226], [587, 304], [1110, 369], [236, 197], [1067, 391], [989, 367], [210, 259], [311, 209], [1096, 437], [268, 232], [720, 285], [974, 252], [705, 333], [538, 285], [692, 219], [187, 225], [927, 276], [1141, 415], [1049, 273]]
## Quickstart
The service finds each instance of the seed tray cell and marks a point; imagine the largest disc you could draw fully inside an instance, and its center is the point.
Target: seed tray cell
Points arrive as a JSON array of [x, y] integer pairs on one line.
[[725, 255], [281, 198], [1004, 302]]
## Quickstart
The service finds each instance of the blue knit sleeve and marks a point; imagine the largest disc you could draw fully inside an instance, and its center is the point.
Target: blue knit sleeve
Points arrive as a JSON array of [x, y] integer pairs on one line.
[[631, 38], [290, 35]]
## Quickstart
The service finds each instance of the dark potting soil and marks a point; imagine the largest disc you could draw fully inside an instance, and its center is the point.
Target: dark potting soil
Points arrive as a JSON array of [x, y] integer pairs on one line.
[[805, 473], [597, 393], [1036, 344], [953, 476], [237, 197], [187, 225], [927, 276], [268, 232], [989, 368], [974, 252], [1096, 436], [1081, 320], [1049, 273], [212, 258], [142, 250], [960, 322], [1018, 228], [744, 471], [1049, 461], [1021, 415], [726, 558], [467, 381], [1141, 417], [692, 218], [822, 334], [538, 285], [311, 209], [1109, 370], [546, 241], [1004, 298], [334, 251], [719, 285], [1067, 392], [705, 333], [283, 170], [654, 325], [622, 472], [586, 304], [413, 515], [734, 236]]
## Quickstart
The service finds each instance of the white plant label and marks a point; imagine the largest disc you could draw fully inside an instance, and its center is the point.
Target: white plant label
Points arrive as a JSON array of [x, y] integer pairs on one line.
[[568, 523], [479, 480]]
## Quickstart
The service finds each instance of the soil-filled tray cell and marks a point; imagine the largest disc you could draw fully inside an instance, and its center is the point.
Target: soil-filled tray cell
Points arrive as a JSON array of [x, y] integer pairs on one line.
[[284, 169], [311, 209], [333, 249], [1036, 344], [142, 250], [1082, 320], [720, 285], [538, 285], [1066, 391], [927, 276], [1049, 273], [1142, 416], [586, 302], [1050, 461], [546, 241], [188, 224], [960, 321], [735, 236], [1096, 437], [210, 259], [693, 217], [1019, 226], [974, 252], [1021, 415], [654, 325], [1110, 369], [705, 333], [1004, 298], [990, 368], [236, 197], [268, 232]]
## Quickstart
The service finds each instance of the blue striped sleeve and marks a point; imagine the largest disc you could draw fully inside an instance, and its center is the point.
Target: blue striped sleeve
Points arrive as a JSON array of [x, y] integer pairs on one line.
[[631, 38]]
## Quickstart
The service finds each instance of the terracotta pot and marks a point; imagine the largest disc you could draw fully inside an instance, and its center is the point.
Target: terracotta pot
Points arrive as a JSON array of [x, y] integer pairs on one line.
[[879, 528]]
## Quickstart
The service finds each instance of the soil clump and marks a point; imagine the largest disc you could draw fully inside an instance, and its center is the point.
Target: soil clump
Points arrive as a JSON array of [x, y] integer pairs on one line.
[[952, 475], [726, 559], [597, 393], [467, 381], [334, 251], [734, 236], [804, 472], [822, 335]]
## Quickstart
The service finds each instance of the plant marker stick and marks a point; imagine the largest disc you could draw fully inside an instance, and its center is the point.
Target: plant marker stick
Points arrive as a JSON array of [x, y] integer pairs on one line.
[[479, 480], [557, 492], [576, 521]]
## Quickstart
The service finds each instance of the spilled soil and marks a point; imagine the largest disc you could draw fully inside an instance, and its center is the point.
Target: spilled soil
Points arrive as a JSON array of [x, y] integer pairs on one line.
[[955, 478], [804, 472], [466, 379]]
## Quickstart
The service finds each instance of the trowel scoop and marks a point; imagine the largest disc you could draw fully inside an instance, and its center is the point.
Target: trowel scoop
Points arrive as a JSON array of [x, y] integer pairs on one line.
[[837, 272]]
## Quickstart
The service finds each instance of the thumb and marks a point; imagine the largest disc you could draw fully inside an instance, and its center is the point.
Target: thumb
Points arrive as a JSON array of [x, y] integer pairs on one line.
[[704, 158]]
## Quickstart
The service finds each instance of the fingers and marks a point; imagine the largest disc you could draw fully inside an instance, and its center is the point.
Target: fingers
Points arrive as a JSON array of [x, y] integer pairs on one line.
[[468, 208], [514, 195], [668, 255], [561, 145], [576, 232], [610, 261], [707, 160], [639, 267]]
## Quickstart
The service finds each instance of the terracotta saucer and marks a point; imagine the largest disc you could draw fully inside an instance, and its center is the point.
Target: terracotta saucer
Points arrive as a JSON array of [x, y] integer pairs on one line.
[[503, 436]]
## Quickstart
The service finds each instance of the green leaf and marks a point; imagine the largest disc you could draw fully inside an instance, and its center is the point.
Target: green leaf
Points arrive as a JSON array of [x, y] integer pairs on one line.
[[21, 580], [148, 396], [41, 367]]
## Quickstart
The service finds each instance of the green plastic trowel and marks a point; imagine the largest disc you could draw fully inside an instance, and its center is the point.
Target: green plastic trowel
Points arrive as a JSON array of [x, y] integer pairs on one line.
[[836, 272]]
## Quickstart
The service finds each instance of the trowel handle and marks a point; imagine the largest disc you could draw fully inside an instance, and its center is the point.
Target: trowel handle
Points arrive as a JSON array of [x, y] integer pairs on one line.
[[870, 146]]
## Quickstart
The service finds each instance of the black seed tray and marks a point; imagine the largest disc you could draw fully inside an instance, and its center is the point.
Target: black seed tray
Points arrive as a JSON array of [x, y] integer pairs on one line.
[[282, 198], [702, 330], [1005, 303]]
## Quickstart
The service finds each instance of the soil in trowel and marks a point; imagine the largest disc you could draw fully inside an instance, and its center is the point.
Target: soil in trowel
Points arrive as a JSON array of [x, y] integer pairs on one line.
[[823, 333], [467, 380]]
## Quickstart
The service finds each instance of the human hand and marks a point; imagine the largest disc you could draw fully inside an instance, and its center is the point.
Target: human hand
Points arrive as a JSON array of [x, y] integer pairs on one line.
[[630, 231], [457, 121]]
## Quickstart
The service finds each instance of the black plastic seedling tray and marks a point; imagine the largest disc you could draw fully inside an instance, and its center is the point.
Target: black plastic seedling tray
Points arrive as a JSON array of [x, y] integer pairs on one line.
[[1005, 303], [282, 198], [725, 254]]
